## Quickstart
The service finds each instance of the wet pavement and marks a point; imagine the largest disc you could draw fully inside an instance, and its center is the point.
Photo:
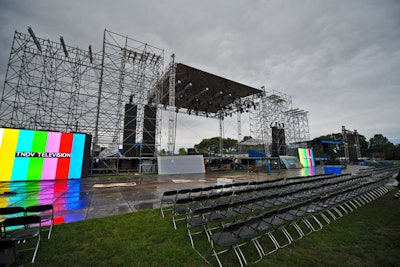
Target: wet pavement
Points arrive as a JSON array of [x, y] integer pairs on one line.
[[95, 197]]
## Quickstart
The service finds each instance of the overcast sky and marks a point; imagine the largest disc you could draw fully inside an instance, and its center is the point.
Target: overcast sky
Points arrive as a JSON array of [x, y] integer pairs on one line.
[[340, 60]]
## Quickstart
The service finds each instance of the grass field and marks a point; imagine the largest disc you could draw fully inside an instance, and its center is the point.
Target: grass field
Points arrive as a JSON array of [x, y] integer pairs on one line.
[[369, 236]]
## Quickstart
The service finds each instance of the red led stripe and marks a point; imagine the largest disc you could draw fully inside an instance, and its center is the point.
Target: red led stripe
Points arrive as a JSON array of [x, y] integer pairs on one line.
[[63, 163]]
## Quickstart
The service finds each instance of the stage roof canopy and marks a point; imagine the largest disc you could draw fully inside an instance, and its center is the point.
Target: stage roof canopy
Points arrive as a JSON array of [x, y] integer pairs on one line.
[[197, 90]]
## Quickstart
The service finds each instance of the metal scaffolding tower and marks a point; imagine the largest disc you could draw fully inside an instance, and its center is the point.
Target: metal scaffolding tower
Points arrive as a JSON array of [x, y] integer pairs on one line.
[[130, 70], [52, 86], [275, 107], [345, 132]]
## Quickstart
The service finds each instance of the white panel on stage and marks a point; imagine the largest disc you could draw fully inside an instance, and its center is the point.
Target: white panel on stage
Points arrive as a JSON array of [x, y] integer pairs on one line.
[[180, 164]]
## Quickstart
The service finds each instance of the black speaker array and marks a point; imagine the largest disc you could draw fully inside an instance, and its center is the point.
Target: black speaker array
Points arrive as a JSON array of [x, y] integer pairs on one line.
[[149, 131], [278, 142], [147, 147], [128, 144]]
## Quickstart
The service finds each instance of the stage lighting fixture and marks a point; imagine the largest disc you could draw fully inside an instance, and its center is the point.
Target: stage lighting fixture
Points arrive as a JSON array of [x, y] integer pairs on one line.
[[187, 86], [34, 39], [63, 46]]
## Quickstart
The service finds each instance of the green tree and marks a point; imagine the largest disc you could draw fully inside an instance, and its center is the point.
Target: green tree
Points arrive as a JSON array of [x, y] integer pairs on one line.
[[380, 145], [247, 137], [211, 145], [182, 151], [163, 152]]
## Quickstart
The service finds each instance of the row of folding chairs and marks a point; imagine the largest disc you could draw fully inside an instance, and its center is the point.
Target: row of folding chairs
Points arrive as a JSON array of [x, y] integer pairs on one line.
[[169, 198], [19, 225], [277, 228], [262, 197]]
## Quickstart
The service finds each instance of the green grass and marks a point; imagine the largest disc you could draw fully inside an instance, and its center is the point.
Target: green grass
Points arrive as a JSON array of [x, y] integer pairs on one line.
[[369, 236]]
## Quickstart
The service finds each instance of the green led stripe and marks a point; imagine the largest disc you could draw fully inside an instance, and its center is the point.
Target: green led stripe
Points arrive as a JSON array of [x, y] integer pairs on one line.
[[36, 164]]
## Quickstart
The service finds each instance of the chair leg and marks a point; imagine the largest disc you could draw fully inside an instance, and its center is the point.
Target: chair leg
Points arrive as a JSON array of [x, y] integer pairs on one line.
[[50, 229], [36, 249]]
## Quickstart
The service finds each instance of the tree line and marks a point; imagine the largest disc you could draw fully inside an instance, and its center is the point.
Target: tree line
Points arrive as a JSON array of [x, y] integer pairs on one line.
[[378, 146]]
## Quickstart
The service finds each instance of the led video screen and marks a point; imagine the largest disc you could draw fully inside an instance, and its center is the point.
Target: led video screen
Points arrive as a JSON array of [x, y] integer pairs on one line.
[[306, 157], [41, 155]]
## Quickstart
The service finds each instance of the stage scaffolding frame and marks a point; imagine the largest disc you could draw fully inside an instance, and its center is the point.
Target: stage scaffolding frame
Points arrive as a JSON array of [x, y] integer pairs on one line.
[[275, 108], [50, 85], [131, 68], [53, 86]]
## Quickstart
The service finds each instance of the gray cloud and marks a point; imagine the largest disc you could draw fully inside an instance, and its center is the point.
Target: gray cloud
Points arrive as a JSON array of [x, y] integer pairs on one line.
[[338, 59]]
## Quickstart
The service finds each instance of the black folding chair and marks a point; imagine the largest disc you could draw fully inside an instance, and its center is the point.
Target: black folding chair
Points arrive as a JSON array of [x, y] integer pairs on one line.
[[180, 210], [225, 240], [46, 213], [9, 212], [197, 223], [22, 229], [167, 201]]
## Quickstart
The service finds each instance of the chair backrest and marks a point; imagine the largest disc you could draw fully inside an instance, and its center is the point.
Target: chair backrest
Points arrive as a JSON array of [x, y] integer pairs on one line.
[[269, 214], [194, 192], [25, 220], [183, 193], [170, 193], [236, 226], [182, 201], [11, 210], [39, 208]]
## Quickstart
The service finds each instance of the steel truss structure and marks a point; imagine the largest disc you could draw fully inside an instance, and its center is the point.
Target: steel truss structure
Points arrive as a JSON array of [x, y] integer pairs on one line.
[[345, 132], [130, 70], [266, 109], [52, 86], [274, 108]]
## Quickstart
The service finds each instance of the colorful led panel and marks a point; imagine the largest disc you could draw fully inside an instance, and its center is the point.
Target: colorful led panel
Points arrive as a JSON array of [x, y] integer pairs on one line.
[[40, 155], [306, 157]]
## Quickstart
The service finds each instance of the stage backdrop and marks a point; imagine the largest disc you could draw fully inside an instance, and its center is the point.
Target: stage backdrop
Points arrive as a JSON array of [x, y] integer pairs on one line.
[[43, 155], [306, 157]]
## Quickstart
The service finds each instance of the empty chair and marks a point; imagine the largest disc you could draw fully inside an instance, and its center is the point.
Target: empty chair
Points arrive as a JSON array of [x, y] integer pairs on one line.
[[198, 202], [167, 201], [261, 224], [183, 193], [292, 215], [180, 210], [196, 223], [278, 224], [28, 227], [195, 192], [246, 233], [46, 213], [225, 240], [8, 212]]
